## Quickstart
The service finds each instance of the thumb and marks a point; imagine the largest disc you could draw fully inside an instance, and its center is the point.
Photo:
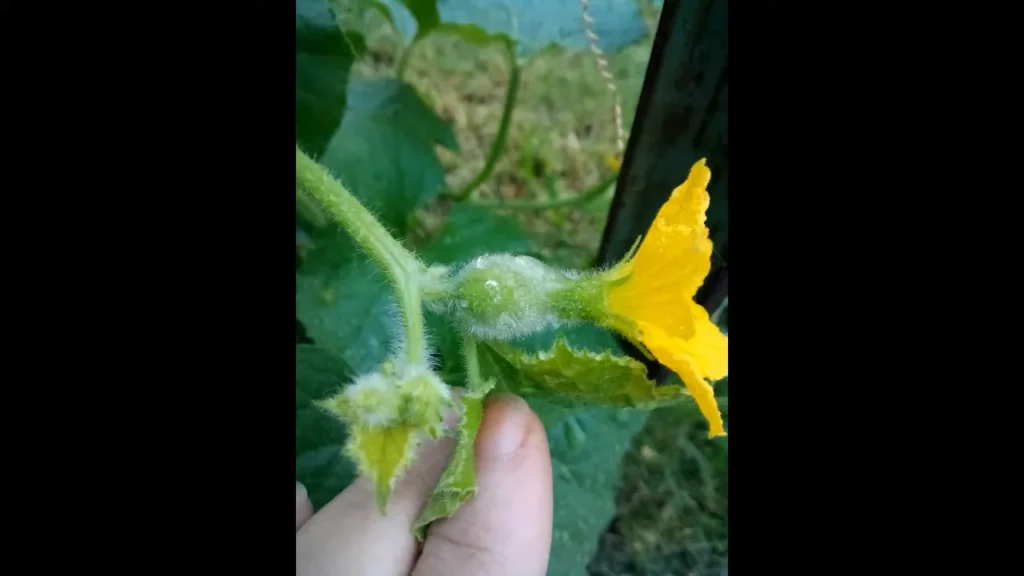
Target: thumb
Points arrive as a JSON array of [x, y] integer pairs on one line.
[[303, 507], [506, 528], [350, 536]]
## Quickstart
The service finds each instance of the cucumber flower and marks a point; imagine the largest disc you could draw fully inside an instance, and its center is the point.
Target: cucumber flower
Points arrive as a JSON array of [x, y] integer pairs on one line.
[[648, 297]]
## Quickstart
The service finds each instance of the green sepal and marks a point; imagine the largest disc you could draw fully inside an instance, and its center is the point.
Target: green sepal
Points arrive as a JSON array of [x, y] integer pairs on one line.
[[458, 482], [383, 455], [575, 377]]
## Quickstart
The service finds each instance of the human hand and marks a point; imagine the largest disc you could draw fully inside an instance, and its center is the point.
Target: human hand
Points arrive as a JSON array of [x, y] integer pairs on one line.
[[504, 530]]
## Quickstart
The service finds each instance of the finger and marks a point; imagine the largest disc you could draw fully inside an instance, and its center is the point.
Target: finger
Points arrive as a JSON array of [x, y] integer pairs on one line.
[[303, 507], [350, 536], [506, 528]]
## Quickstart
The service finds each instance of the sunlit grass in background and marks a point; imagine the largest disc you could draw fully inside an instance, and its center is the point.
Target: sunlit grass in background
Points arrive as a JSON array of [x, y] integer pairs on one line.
[[562, 128], [673, 503]]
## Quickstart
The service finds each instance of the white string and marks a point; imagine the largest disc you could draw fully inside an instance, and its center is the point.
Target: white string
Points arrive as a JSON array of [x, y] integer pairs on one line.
[[602, 65]]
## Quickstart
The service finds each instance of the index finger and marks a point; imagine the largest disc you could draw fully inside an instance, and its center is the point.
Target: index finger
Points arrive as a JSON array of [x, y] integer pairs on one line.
[[506, 528]]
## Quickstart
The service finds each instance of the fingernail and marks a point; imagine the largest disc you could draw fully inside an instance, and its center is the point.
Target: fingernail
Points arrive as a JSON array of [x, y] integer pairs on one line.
[[506, 419], [300, 493]]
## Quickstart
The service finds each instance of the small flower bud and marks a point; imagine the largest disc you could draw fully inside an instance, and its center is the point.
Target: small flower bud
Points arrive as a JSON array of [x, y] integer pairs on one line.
[[388, 414], [424, 397], [371, 400]]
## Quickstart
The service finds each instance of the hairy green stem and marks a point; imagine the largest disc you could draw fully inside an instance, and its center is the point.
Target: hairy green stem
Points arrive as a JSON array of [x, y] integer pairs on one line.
[[563, 202], [498, 146], [469, 351], [402, 267]]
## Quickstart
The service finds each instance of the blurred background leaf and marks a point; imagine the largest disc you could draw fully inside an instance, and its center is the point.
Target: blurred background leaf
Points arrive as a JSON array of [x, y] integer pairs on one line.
[[323, 58], [319, 462], [470, 231], [534, 24], [344, 302], [384, 149]]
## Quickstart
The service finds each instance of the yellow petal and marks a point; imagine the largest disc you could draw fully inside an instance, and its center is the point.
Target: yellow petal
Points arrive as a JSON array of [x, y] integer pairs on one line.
[[708, 350], [705, 397], [690, 200], [677, 244], [671, 263], [704, 356]]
